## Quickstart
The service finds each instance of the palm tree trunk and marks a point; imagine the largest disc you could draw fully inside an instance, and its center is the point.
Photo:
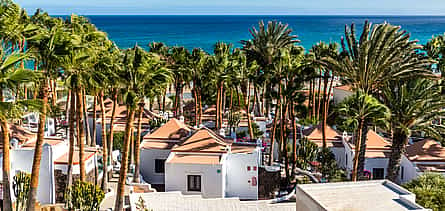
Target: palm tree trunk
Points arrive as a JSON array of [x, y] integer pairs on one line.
[[137, 144], [119, 204], [7, 200], [294, 137], [325, 112], [93, 138], [217, 107], [54, 92], [272, 137], [195, 96], [85, 118], [32, 194], [357, 150], [200, 107], [361, 158], [163, 100], [313, 99], [104, 185], [400, 139], [81, 134], [249, 121], [221, 107], [113, 115], [72, 116], [330, 89], [318, 96]]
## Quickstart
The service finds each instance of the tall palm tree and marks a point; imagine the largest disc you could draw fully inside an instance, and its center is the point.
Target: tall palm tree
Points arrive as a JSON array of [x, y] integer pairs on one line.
[[383, 52], [358, 110], [182, 74], [48, 43], [137, 72], [415, 104], [197, 63], [10, 78]]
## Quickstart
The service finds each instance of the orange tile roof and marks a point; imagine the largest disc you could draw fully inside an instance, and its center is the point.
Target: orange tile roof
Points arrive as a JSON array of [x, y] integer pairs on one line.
[[203, 140], [315, 133], [64, 158], [47, 140], [173, 130], [438, 168], [157, 145], [376, 146], [239, 148], [195, 159], [426, 150], [344, 87], [20, 133]]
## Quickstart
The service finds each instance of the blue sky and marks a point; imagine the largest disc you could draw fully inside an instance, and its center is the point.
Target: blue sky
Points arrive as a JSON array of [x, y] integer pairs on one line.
[[253, 7]]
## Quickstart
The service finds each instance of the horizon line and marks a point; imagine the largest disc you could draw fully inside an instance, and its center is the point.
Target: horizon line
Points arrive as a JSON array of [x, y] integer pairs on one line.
[[260, 14]]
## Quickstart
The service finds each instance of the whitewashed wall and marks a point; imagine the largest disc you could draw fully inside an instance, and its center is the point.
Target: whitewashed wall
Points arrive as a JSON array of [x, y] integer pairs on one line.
[[147, 165], [211, 180], [238, 178], [340, 95]]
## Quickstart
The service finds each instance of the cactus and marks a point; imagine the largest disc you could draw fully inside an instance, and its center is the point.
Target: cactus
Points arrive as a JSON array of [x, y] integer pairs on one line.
[[83, 196], [140, 205], [20, 185]]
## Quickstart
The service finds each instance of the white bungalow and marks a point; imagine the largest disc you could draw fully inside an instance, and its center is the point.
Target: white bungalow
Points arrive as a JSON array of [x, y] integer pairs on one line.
[[333, 140], [206, 164]]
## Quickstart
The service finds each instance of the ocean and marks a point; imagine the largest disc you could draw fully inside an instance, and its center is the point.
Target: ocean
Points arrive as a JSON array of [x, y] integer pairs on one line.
[[204, 31]]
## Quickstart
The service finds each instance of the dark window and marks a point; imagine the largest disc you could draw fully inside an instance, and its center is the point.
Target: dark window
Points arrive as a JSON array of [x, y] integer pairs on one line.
[[402, 172], [194, 183], [378, 173], [159, 166]]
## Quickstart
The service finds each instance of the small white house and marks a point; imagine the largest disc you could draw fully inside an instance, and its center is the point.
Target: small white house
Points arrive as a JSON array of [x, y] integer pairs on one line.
[[333, 140], [377, 195], [206, 164], [156, 147]]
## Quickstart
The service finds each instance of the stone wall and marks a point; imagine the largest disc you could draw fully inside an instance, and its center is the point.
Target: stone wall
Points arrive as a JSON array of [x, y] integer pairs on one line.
[[268, 183], [61, 182]]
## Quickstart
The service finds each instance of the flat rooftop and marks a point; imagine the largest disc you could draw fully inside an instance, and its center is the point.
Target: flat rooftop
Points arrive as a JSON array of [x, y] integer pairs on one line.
[[376, 195]]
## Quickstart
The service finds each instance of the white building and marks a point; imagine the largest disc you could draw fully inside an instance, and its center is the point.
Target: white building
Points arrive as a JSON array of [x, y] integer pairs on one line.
[[377, 195], [156, 147], [54, 161], [333, 140], [199, 162]]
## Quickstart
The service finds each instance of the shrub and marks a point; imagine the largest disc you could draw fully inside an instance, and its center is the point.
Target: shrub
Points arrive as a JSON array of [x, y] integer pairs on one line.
[[118, 140], [430, 191], [21, 184], [83, 196]]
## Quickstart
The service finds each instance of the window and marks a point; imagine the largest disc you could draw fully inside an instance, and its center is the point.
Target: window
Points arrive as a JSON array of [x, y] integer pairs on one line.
[[378, 173], [159, 166], [194, 183], [402, 172]]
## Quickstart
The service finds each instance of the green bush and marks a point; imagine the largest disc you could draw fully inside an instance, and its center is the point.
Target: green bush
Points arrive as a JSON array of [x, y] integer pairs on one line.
[[21, 184], [430, 191], [328, 166], [118, 140], [83, 196]]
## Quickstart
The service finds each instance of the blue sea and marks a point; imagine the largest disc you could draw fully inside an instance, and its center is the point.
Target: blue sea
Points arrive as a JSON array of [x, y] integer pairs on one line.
[[204, 31]]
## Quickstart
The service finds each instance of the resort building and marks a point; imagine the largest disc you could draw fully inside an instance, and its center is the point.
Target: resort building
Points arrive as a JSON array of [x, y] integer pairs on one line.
[[53, 166], [200, 162], [377, 195], [341, 92], [427, 156]]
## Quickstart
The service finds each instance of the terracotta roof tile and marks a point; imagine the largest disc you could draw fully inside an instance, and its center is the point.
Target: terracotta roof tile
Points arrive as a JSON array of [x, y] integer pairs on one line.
[[426, 150], [47, 140], [173, 129], [438, 168], [157, 145], [195, 159], [203, 140], [344, 87], [64, 158]]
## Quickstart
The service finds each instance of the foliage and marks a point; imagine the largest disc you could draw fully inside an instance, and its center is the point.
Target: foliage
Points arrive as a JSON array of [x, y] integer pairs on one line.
[[140, 205], [328, 166], [118, 140], [83, 196], [306, 153], [430, 191], [257, 133], [156, 122], [20, 185]]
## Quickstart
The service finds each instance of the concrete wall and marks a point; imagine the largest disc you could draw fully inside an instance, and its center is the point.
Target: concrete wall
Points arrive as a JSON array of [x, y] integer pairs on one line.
[[211, 180], [340, 95], [305, 202], [22, 159], [147, 165], [239, 178]]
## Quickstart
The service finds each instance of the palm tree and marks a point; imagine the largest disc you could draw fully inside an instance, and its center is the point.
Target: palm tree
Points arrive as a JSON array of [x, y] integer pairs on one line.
[[140, 71], [383, 52], [10, 78], [415, 104], [182, 74], [48, 43], [358, 110], [197, 64]]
